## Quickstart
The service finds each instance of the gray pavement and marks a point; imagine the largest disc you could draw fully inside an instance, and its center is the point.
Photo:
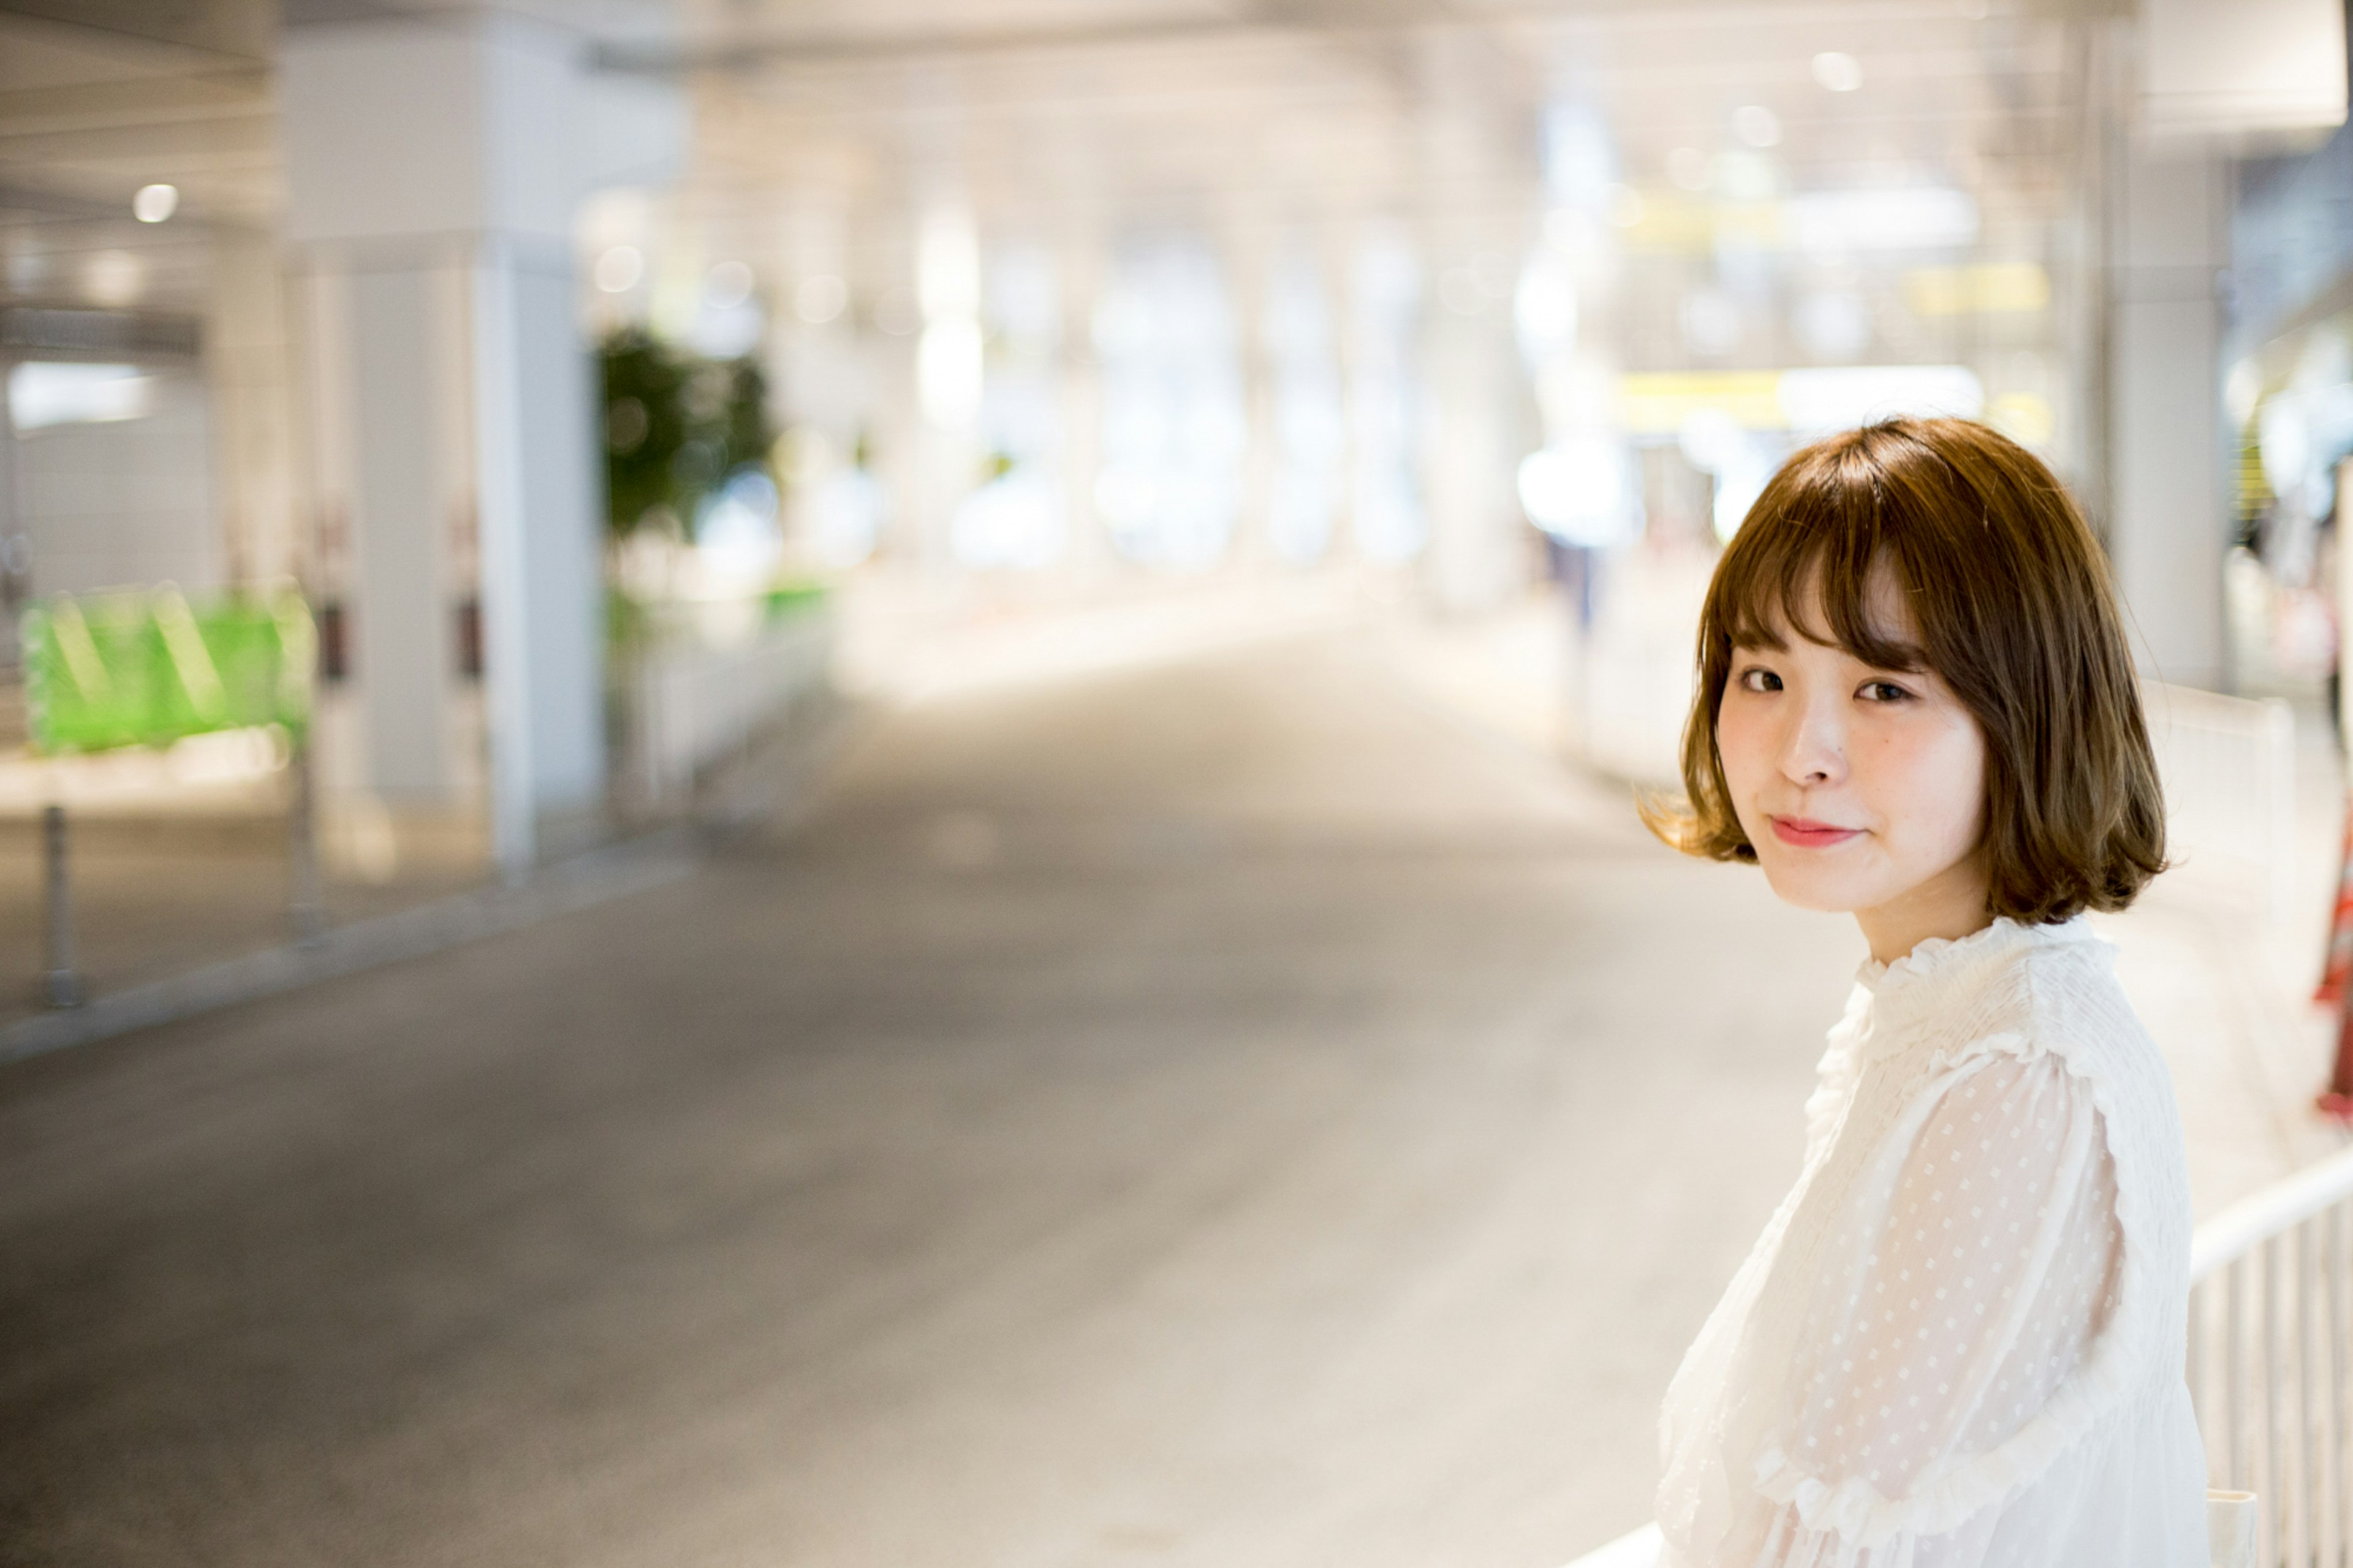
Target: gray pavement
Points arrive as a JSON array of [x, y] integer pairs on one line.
[[157, 895], [1221, 1114]]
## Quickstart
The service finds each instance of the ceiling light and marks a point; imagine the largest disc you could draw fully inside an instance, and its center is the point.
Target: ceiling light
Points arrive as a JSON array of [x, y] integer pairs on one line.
[[1581, 491], [1757, 125], [154, 203], [619, 270], [1817, 402], [114, 277], [1838, 72], [43, 393], [1895, 217], [728, 285], [1746, 176], [820, 299]]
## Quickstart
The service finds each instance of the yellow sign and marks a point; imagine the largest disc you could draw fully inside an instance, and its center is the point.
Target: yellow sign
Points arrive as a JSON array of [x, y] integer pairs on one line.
[[1987, 288], [1657, 403]]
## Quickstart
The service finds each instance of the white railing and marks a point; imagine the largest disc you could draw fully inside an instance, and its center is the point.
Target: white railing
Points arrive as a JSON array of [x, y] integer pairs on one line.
[[695, 706], [2229, 768], [2269, 1295]]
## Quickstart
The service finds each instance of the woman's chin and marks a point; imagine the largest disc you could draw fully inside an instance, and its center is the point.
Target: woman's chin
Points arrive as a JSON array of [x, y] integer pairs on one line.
[[1808, 889]]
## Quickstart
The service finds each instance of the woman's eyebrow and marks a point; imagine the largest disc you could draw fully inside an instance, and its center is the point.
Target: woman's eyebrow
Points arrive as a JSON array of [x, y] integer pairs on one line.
[[1913, 660]]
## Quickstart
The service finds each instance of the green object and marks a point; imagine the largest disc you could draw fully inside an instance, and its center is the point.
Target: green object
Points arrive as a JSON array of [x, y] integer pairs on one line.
[[788, 599], [148, 668]]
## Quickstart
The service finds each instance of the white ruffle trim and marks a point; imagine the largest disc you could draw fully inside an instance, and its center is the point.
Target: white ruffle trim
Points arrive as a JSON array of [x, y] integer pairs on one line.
[[1791, 1545], [1855, 1514], [1939, 958]]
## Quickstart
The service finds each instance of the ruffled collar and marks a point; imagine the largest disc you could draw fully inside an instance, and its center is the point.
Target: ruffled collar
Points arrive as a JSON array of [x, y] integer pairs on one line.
[[1940, 968]]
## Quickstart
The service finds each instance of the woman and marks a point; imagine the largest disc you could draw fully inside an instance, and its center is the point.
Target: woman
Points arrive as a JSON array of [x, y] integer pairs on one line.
[[1959, 1343]]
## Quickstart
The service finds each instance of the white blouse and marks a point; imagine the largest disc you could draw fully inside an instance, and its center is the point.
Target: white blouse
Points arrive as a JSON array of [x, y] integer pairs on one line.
[[1959, 1342]]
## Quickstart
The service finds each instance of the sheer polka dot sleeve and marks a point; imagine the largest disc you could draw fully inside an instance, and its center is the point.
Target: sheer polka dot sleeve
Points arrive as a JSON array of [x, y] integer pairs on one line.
[[1959, 1340], [1948, 1349]]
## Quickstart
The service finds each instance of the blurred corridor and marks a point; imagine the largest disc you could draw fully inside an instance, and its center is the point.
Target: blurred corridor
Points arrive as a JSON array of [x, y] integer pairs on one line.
[[1221, 1112]]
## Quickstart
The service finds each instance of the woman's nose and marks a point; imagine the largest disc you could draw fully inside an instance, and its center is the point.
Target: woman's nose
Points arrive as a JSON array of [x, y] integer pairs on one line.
[[1814, 751]]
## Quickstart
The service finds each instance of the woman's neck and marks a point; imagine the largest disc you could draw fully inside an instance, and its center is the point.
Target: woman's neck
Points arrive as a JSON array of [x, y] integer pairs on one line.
[[1950, 904]]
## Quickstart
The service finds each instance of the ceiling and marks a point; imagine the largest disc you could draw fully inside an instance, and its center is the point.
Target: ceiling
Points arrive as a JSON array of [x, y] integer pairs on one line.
[[846, 118], [825, 129], [98, 98]]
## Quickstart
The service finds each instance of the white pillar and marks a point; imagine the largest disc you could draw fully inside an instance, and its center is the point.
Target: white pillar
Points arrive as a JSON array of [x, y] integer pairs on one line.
[[246, 365], [1083, 265], [2170, 513], [1476, 531], [948, 376], [433, 165]]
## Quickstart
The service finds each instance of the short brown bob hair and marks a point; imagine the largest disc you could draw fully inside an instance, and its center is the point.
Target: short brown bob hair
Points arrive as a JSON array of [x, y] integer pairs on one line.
[[2012, 598]]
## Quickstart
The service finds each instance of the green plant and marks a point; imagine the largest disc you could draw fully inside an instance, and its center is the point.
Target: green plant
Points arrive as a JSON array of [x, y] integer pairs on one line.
[[676, 426]]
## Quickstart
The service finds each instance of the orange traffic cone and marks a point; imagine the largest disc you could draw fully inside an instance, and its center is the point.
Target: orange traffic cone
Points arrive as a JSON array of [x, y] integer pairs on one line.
[[2337, 1099], [2338, 965]]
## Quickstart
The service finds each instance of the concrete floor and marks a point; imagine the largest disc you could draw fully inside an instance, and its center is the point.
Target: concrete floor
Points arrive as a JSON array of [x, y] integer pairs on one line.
[[158, 897], [1225, 1114]]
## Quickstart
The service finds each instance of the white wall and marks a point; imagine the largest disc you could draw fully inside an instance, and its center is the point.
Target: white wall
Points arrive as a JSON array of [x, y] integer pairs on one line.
[[2240, 66], [2170, 513], [128, 501]]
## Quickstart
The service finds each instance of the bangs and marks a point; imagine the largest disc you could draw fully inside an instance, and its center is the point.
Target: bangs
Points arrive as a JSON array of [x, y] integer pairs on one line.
[[1812, 552]]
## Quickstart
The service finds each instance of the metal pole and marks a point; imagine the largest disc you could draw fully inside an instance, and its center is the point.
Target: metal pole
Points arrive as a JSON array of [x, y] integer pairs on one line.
[[2304, 1545], [307, 903], [61, 988], [2340, 1409], [2272, 1530], [2233, 1377], [2329, 1432]]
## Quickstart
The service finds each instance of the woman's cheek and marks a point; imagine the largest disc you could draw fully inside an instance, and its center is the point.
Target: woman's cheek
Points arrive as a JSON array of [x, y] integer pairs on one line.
[[1735, 730], [1736, 748], [1971, 766], [1945, 773]]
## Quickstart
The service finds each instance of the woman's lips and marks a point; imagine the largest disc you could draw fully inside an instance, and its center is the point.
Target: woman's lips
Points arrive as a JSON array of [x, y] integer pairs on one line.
[[1809, 835]]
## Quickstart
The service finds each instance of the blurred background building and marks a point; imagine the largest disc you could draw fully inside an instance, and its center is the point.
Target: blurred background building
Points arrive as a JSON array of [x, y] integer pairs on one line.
[[447, 443], [528, 339]]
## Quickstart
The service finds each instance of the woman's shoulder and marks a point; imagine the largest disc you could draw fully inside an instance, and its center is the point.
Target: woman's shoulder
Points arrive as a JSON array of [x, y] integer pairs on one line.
[[2072, 1003], [2063, 1011], [2057, 993], [2045, 998]]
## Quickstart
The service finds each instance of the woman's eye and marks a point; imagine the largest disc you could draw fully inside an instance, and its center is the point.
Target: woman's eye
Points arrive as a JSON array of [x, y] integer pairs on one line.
[[1885, 692], [1759, 681]]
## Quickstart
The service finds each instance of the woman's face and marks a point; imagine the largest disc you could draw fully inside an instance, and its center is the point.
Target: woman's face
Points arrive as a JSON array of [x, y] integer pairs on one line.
[[1859, 787]]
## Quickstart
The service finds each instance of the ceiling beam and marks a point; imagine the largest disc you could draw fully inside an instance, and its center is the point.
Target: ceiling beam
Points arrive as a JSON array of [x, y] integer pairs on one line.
[[1311, 20]]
